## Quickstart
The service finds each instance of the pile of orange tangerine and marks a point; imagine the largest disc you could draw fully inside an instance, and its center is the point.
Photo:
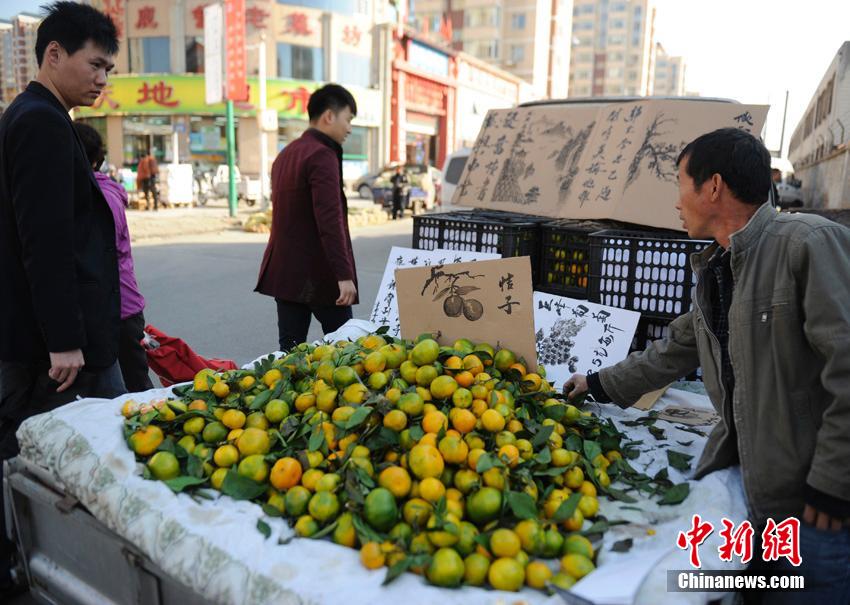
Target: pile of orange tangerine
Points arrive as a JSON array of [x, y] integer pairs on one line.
[[452, 462]]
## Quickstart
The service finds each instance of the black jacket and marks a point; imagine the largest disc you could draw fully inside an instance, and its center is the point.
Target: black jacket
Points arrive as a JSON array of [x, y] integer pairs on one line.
[[58, 267]]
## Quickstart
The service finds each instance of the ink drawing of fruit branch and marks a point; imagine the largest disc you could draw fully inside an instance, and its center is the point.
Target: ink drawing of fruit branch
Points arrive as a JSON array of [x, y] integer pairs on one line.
[[455, 303], [660, 157], [568, 157]]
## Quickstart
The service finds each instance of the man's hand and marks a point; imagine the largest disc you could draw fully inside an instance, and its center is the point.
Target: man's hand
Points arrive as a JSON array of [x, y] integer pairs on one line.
[[64, 367], [821, 520], [576, 386], [347, 293]]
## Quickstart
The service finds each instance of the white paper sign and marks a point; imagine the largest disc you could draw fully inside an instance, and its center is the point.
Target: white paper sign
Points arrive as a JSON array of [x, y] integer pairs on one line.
[[576, 336], [385, 310]]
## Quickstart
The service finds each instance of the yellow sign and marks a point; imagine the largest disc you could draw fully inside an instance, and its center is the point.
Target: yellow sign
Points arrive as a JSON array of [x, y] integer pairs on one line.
[[167, 94]]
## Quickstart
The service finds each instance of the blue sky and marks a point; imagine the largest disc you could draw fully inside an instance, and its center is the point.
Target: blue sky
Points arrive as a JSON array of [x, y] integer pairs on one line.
[[10, 8]]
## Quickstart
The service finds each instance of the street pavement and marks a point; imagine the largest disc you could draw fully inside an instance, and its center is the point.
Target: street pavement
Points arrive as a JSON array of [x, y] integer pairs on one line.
[[201, 287]]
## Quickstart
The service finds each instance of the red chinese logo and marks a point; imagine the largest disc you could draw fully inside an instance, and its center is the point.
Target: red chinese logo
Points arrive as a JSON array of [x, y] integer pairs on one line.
[[160, 94], [256, 17], [298, 24], [351, 35], [298, 99], [106, 97], [691, 539], [114, 9], [782, 540], [147, 18], [198, 15], [738, 543]]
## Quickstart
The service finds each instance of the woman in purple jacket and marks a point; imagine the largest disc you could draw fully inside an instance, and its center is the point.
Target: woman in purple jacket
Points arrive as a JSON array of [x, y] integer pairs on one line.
[[131, 355]]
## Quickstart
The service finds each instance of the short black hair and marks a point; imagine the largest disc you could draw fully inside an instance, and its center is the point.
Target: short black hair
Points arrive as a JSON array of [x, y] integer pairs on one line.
[[92, 143], [737, 156], [330, 96], [72, 25]]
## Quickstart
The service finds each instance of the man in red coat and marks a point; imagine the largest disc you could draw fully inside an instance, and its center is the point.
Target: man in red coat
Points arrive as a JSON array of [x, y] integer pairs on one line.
[[308, 265]]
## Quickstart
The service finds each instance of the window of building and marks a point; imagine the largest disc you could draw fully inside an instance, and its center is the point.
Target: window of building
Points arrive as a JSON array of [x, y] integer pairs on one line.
[[615, 56], [618, 7], [356, 146], [583, 74], [583, 26], [150, 55], [616, 40], [482, 17], [518, 21], [354, 69], [300, 62], [194, 54], [517, 53], [633, 76], [661, 75], [618, 24]]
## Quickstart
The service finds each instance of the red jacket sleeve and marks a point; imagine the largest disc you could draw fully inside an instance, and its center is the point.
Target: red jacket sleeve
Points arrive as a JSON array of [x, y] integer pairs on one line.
[[324, 179]]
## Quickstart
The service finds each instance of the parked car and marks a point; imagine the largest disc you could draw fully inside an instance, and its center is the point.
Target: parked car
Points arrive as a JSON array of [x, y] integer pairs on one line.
[[790, 195], [425, 183], [452, 170]]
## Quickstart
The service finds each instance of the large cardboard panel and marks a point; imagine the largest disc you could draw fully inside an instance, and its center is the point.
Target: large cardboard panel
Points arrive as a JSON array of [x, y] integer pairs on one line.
[[498, 303], [614, 161]]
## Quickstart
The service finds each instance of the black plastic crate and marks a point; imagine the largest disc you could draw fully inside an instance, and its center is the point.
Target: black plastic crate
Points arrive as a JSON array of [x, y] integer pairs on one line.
[[503, 233], [643, 271], [565, 256], [654, 329]]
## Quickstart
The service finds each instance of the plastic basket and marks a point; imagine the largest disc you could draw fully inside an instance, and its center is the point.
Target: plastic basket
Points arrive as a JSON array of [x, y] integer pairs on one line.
[[503, 233], [565, 256], [649, 272]]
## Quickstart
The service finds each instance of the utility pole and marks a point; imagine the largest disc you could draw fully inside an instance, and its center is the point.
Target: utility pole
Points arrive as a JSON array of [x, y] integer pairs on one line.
[[784, 115], [231, 160]]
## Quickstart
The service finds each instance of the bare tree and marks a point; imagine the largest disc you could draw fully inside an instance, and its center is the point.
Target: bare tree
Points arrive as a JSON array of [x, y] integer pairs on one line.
[[657, 156]]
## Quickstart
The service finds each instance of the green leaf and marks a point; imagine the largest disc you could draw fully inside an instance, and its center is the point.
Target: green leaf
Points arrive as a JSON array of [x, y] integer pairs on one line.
[[358, 417], [416, 433], [542, 436], [657, 432], [364, 531], [404, 565], [271, 511], [676, 494], [178, 484], [261, 400], [567, 508], [194, 466], [591, 450], [544, 457], [488, 461], [317, 438], [522, 505], [679, 461], [622, 545], [382, 330], [264, 528], [240, 487], [572, 443], [328, 529], [620, 495]]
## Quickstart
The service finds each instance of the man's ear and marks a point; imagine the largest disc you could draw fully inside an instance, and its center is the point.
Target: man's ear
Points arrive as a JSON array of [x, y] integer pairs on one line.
[[717, 186], [52, 53]]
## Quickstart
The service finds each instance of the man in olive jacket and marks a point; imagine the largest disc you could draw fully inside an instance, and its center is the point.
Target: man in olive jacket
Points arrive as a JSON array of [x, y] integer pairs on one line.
[[770, 327], [59, 299]]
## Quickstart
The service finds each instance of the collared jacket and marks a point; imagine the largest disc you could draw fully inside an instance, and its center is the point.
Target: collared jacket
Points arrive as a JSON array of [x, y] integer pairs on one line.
[[788, 419], [58, 263], [309, 248]]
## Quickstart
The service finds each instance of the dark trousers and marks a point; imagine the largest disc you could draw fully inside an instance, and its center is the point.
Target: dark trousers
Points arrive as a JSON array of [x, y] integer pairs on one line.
[[27, 390], [293, 321], [397, 211], [131, 354], [148, 187]]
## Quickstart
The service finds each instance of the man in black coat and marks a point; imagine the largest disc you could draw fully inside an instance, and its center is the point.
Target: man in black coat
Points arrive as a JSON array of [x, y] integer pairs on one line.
[[59, 300]]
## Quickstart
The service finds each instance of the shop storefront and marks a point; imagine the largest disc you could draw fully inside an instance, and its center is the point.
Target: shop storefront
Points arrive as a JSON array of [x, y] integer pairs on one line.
[[423, 104], [167, 115]]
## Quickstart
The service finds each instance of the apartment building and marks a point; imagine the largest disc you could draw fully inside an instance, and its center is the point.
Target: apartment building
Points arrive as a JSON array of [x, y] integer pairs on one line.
[[613, 48], [669, 74], [528, 38]]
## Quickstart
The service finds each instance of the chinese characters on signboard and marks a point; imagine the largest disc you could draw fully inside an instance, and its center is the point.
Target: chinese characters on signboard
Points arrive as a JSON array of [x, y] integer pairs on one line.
[[236, 62]]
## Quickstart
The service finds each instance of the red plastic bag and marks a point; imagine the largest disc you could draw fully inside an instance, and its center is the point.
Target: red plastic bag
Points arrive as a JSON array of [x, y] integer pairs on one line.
[[173, 361]]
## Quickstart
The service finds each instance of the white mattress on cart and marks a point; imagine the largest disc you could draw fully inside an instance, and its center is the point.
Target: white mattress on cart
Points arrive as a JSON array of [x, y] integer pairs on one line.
[[214, 547]]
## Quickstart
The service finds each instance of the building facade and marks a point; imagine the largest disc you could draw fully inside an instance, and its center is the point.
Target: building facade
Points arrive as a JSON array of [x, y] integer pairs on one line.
[[17, 55], [613, 48], [155, 99], [528, 38], [669, 74], [820, 145]]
